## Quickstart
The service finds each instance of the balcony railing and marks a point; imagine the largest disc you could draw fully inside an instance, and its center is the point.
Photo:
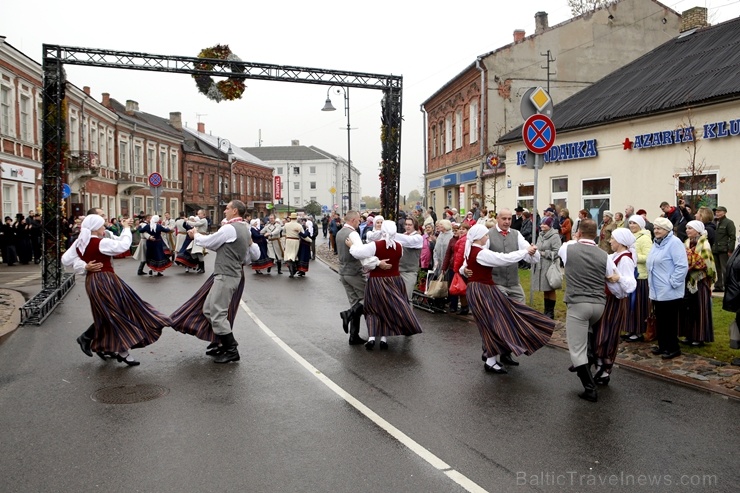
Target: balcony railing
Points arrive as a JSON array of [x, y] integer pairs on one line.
[[83, 161]]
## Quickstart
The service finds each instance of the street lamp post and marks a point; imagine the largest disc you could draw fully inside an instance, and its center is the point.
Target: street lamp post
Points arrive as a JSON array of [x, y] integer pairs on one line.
[[329, 107], [219, 181]]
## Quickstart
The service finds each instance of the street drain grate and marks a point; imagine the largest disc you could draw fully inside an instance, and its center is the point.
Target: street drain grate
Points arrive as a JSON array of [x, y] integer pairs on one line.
[[129, 394]]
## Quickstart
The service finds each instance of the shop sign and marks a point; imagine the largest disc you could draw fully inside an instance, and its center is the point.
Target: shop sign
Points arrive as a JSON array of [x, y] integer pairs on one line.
[[18, 173], [583, 149], [719, 130], [664, 138], [450, 179]]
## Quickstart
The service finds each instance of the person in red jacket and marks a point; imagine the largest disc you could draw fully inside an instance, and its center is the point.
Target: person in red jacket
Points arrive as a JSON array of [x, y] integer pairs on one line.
[[457, 261]]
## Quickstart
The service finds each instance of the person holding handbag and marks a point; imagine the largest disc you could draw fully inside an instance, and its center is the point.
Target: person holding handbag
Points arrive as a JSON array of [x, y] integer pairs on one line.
[[548, 244]]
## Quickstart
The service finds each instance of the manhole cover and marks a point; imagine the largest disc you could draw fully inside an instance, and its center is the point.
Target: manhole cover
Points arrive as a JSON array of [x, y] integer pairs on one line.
[[129, 394]]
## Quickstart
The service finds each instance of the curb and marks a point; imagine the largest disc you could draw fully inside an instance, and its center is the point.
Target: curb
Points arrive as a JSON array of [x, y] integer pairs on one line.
[[670, 377], [9, 325]]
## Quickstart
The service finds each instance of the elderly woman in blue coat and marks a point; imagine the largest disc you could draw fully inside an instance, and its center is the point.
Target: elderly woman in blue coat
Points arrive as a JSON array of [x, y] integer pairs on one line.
[[667, 266]]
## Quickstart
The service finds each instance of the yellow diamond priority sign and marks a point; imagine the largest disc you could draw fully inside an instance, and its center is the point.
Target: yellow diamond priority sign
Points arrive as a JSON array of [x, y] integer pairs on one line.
[[540, 99]]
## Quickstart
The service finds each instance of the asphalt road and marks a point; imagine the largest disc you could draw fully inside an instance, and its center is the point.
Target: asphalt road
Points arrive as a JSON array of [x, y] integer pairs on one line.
[[303, 411]]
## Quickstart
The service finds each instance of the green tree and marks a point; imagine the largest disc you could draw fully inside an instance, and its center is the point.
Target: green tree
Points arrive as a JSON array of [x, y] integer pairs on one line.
[[413, 196], [313, 208], [371, 203]]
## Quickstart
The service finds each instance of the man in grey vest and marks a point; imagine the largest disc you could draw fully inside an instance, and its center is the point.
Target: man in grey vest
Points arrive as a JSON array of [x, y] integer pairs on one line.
[[587, 268], [351, 277], [412, 243], [504, 239], [233, 245]]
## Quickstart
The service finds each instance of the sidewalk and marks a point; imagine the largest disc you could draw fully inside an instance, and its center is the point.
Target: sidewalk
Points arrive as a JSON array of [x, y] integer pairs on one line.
[[10, 314], [689, 369]]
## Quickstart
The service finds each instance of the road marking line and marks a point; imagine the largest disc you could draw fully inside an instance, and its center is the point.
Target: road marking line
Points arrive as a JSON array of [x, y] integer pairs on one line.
[[436, 462]]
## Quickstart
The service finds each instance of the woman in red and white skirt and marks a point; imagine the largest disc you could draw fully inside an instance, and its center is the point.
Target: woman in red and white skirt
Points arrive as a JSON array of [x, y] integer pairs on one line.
[[122, 320], [386, 308], [505, 325]]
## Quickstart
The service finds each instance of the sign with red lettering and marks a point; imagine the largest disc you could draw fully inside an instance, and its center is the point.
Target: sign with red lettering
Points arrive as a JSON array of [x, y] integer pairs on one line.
[[278, 188]]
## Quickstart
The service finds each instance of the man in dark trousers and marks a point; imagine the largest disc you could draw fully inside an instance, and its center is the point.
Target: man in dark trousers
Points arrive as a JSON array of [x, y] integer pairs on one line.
[[516, 221], [587, 267], [724, 244], [351, 277]]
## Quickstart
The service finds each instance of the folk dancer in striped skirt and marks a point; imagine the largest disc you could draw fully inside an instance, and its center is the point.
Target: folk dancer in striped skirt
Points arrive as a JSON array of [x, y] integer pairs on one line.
[[122, 320], [640, 305], [209, 314], [273, 231], [695, 322], [304, 250], [586, 268], [617, 309], [264, 262], [157, 258], [505, 325], [387, 310]]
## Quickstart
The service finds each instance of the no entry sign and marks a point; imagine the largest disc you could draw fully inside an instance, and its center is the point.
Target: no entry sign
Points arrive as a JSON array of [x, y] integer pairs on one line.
[[538, 133]]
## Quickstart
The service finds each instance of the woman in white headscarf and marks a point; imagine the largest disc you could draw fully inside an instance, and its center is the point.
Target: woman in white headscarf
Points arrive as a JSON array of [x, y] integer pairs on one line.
[[264, 262], [386, 308], [506, 326], [640, 306], [156, 258], [695, 322], [122, 320], [375, 233], [616, 310]]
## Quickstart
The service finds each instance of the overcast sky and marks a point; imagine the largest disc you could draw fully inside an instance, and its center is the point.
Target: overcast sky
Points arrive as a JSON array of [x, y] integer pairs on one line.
[[427, 43]]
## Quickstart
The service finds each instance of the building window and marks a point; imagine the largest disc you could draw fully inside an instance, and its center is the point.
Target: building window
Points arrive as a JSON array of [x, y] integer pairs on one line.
[[112, 207], [162, 168], [296, 185], [173, 165], [26, 118], [103, 157], [151, 163], [212, 184], [473, 122], [296, 170], [111, 150], [96, 201], [39, 121], [201, 184], [525, 196], [434, 141], [313, 185], [6, 115], [279, 170], [699, 190], [94, 138], [596, 197], [313, 199], [559, 191], [448, 133], [173, 208], [312, 170], [123, 156], [458, 129], [137, 160], [138, 205], [74, 141], [189, 181], [29, 202]]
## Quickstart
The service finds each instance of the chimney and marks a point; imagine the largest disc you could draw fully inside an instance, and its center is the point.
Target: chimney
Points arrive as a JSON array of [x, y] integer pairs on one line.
[[86, 90], [131, 107], [519, 35], [201, 128], [540, 22], [693, 18], [106, 99], [295, 142], [176, 120]]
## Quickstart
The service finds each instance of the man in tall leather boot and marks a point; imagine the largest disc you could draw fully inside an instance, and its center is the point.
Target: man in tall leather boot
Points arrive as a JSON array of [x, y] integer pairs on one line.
[[351, 277], [233, 246], [586, 268]]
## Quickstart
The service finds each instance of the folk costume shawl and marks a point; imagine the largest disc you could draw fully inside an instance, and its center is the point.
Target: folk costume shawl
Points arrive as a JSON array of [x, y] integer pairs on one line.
[[701, 263]]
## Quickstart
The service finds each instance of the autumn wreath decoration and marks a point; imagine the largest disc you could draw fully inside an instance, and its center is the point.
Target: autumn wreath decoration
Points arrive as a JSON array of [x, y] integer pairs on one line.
[[229, 89]]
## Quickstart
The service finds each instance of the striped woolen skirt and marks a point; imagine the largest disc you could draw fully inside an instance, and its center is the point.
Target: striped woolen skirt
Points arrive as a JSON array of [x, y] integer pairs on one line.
[[122, 319], [615, 316], [387, 308], [262, 263], [186, 260], [695, 322], [189, 318], [639, 309], [505, 325]]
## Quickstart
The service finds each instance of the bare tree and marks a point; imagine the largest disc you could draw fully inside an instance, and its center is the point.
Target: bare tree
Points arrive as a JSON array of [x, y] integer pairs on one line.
[[578, 7], [693, 183]]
